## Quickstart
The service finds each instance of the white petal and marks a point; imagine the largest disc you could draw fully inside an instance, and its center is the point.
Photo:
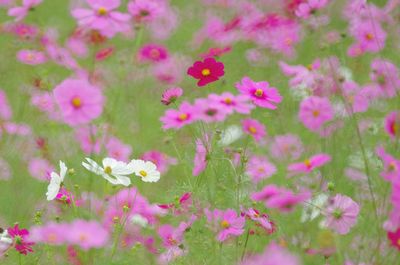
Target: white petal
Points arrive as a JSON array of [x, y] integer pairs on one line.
[[123, 180], [122, 168], [63, 170], [109, 162]]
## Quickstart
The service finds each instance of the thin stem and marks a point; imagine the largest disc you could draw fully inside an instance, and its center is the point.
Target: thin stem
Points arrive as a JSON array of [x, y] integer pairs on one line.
[[245, 244]]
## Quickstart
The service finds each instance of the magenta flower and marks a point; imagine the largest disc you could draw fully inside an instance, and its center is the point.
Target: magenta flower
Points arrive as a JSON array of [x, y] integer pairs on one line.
[[31, 57], [208, 111], [286, 200], [178, 118], [102, 17], [394, 238], [342, 214], [259, 168], [118, 150], [314, 112], [310, 164], [79, 101], [254, 128], [273, 255], [20, 239], [145, 10], [206, 71], [20, 12], [266, 193], [87, 234], [231, 103], [171, 95], [260, 93], [226, 223], [153, 53], [392, 124], [50, 233], [391, 165], [286, 146]]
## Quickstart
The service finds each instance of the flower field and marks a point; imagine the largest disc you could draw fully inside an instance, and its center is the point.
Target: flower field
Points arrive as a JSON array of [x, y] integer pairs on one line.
[[245, 132]]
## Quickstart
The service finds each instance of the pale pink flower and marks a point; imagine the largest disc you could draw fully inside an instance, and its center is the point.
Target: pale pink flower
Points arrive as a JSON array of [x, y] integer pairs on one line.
[[314, 112], [273, 255], [226, 223], [171, 95], [31, 57], [200, 158], [259, 168], [286, 146], [40, 169], [310, 163], [87, 234], [254, 128], [341, 214], [20, 12], [118, 150]]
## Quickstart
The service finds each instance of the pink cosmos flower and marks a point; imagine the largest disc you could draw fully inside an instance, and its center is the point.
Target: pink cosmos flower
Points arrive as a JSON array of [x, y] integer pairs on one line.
[[206, 71], [304, 10], [44, 102], [391, 165], [180, 206], [176, 119], [310, 164], [40, 168], [261, 93], [231, 103], [259, 168], [88, 140], [50, 233], [394, 238], [266, 193], [315, 111], [171, 95], [286, 200], [226, 223], [355, 96], [369, 35], [286, 146], [102, 17], [273, 255], [20, 12], [260, 220], [118, 150], [20, 239], [153, 53], [216, 52], [200, 158], [208, 111], [79, 101], [169, 71], [254, 128], [301, 75], [392, 124], [341, 214], [87, 234], [145, 10], [386, 76], [31, 57], [161, 160]]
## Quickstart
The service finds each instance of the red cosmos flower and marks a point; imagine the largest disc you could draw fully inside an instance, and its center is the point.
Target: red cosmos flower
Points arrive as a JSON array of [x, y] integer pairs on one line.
[[394, 237], [207, 71], [19, 237]]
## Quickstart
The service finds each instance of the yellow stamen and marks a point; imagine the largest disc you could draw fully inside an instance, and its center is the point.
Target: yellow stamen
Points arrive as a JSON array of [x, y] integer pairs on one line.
[[206, 72], [107, 170], [76, 102], [102, 11], [143, 173], [252, 130], [183, 117], [225, 224], [307, 162], [259, 92], [315, 113], [369, 36], [228, 101], [154, 53]]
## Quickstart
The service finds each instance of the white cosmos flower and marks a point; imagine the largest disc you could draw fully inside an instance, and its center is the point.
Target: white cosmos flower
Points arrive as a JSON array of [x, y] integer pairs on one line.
[[55, 182], [112, 170], [146, 170]]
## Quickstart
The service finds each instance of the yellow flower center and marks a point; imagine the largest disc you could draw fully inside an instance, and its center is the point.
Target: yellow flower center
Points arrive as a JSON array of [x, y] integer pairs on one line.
[[206, 72], [52, 237], [143, 173], [259, 92], [309, 67], [107, 170], [252, 130], [307, 162], [288, 41], [228, 101], [392, 166], [183, 117], [83, 237], [225, 224], [102, 11], [369, 36], [315, 113], [398, 242], [76, 102]]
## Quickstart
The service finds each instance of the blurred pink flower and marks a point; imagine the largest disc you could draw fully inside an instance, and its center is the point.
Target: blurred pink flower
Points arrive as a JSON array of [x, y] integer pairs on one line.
[[170, 95], [310, 164], [259, 168], [392, 124], [315, 111], [286, 146], [87, 234], [254, 128], [273, 255], [79, 101], [118, 150], [260, 93], [153, 53], [240, 103], [226, 223], [161, 160], [145, 10], [40, 168], [20, 12], [200, 158], [341, 214], [31, 57], [50, 233]]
